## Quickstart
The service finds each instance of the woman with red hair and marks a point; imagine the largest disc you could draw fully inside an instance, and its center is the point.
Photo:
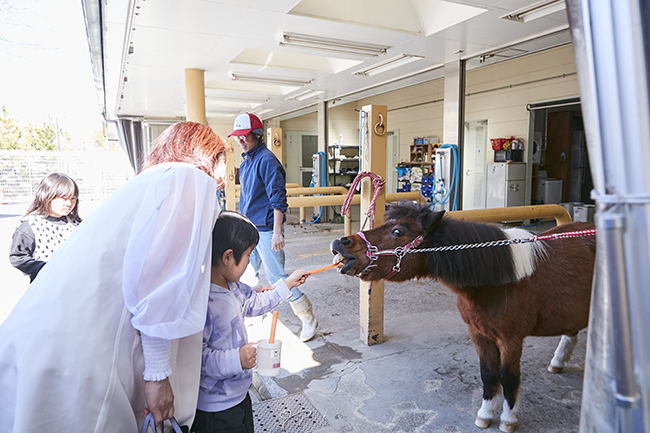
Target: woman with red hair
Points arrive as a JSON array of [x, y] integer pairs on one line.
[[111, 328]]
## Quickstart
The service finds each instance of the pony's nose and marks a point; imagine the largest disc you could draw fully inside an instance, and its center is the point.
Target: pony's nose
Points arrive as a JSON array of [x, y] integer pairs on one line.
[[346, 242]]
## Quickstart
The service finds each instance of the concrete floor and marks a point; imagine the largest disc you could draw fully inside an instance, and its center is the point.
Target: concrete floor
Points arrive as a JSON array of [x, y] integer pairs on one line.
[[423, 378]]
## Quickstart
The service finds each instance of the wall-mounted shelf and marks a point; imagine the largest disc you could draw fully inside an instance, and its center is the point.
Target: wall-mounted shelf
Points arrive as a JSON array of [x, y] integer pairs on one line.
[[420, 179], [420, 153], [343, 162], [345, 146]]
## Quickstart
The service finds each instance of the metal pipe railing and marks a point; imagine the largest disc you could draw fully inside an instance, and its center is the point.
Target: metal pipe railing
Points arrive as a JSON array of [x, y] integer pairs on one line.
[[515, 213]]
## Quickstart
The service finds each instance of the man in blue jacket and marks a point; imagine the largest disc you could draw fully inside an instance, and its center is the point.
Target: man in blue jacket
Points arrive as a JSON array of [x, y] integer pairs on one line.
[[263, 199]]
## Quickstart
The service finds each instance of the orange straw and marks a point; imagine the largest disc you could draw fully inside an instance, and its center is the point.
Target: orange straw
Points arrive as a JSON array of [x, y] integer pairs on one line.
[[274, 323], [324, 268]]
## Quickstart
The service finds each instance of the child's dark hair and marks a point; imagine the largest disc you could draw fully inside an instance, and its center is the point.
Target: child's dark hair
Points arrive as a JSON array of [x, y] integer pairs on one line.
[[235, 232], [52, 186]]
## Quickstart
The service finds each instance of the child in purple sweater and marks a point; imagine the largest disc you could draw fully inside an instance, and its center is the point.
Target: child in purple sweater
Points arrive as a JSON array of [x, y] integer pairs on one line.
[[224, 403]]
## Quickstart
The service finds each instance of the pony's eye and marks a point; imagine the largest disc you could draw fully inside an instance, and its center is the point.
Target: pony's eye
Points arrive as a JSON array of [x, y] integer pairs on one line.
[[397, 232]]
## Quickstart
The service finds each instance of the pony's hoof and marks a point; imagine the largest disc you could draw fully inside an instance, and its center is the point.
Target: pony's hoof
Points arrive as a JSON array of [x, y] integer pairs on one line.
[[482, 423], [554, 370], [507, 428]]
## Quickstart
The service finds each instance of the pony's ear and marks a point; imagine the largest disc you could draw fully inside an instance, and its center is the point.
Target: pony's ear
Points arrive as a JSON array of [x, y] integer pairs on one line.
[[431, 220]]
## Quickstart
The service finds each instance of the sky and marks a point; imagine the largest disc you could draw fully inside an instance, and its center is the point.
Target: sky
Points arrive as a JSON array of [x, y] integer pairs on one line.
[[45, 66]]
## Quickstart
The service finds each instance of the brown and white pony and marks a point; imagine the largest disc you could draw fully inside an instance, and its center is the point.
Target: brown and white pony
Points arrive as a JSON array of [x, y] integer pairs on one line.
[[505, 293]]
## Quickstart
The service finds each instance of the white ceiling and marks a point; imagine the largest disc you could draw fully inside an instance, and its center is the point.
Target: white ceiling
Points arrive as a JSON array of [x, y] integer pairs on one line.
[[147, 44]]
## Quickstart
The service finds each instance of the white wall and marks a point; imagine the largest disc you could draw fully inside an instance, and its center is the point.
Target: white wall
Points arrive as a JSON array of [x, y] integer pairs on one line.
[[505, 109]]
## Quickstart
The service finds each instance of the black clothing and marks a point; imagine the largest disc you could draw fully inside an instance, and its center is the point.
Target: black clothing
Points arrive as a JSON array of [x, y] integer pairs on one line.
[[237, 419], [23, 247]]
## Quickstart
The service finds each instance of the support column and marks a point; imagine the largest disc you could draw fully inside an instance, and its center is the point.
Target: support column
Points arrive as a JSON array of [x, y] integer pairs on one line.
[[454, 104], [454, 115], [373, 159], [275, 144], [195, 95], [323, 141], [230, 177]]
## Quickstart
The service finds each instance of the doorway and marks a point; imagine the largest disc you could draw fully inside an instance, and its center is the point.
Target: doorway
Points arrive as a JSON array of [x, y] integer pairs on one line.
[[474, 178], [300, 146], [559, 153]]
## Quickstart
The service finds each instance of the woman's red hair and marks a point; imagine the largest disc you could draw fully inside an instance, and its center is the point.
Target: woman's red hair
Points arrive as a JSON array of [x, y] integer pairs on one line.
[[188, 142]]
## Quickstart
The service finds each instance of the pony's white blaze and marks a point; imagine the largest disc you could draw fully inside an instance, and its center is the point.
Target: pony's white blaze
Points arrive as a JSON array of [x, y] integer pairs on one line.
[[525, 255]]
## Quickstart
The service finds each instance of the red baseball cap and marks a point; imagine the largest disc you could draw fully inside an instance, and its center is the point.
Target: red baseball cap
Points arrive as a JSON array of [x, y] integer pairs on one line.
[[245, 123]]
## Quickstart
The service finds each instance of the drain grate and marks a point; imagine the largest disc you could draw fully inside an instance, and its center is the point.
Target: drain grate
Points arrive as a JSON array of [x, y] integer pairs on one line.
[[290, 414]]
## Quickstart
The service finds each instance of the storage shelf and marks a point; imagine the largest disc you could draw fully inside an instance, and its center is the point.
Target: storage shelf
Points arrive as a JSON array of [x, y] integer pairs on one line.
[[345, 146]]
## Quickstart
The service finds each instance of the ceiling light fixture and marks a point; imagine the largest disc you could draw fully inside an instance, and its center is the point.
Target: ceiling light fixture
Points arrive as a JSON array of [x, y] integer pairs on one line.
[[305, 95], [267, 79], [387, 65], [266, 110], [335, 45], [536, 10], [243, 99]]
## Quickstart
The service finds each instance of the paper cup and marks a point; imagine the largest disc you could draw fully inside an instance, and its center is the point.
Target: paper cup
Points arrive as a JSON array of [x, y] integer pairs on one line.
[[268, 357]]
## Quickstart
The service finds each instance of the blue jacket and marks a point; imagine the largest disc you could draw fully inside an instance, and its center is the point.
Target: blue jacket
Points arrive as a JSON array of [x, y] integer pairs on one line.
[[263, 187]]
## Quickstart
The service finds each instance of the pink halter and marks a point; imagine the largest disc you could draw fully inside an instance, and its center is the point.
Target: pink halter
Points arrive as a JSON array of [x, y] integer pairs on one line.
[[373, 253]]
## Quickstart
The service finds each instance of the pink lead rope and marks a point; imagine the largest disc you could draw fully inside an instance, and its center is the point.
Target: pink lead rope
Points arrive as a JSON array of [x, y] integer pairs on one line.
[[589, 232], [378, 187]]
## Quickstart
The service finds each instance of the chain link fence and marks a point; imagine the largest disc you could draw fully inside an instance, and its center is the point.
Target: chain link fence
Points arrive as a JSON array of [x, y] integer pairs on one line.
[[97, 172]]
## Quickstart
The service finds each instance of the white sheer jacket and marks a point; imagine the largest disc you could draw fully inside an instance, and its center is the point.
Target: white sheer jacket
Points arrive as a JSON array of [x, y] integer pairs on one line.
[[70, 351]]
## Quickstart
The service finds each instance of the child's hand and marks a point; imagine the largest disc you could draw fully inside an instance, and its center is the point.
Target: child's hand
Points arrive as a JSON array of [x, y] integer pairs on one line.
[[297, 278], [260, 289], [248, 356]]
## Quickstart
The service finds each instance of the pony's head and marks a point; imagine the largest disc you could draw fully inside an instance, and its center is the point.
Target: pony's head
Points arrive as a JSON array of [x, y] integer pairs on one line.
[[377, 254]]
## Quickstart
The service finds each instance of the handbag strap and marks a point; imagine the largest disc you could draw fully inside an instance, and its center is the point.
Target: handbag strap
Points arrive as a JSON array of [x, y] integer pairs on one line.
[[149, 422]]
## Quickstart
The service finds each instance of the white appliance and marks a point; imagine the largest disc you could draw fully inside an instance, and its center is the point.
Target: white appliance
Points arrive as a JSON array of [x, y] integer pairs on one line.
[[506, 184], [549, 191], [584, 213]]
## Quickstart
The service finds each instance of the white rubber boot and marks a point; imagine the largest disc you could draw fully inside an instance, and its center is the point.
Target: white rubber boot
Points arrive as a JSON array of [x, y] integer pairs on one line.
[[302, 308]]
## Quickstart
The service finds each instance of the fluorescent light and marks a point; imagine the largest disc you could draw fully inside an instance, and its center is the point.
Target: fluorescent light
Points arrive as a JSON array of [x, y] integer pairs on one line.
[[335, 45], [536, 10], [306, 95], [222, 111], [266, 110], [243, 99], [387, 65], [211, 115], [267, 79]]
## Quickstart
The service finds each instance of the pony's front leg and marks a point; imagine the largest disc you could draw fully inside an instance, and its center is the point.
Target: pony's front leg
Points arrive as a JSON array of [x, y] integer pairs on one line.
[[488, 353], [563, 353], [510, 379]]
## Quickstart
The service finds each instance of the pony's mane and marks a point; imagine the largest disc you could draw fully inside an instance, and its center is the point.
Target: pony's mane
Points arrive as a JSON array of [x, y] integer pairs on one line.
[[472, 267]]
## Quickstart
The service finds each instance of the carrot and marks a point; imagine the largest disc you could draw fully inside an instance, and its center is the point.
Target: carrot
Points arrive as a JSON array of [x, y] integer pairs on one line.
[[274, 323], [324, 268]]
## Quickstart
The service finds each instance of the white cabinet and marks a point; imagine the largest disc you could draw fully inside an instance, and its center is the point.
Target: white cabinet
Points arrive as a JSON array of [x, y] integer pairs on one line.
[[506, 184]]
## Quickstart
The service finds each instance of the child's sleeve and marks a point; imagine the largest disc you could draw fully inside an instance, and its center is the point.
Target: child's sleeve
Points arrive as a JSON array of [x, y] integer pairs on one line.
[[263, 302], [220, 364], [21, 254]]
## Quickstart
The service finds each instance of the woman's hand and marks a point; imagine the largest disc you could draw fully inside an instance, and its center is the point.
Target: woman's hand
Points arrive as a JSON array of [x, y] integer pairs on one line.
[[160, 400], [248, 356]]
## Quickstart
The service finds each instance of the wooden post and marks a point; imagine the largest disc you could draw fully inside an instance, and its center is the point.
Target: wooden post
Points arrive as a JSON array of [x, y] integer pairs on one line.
[[274, 142], [195, 95], [373, 159], [230, 176]]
